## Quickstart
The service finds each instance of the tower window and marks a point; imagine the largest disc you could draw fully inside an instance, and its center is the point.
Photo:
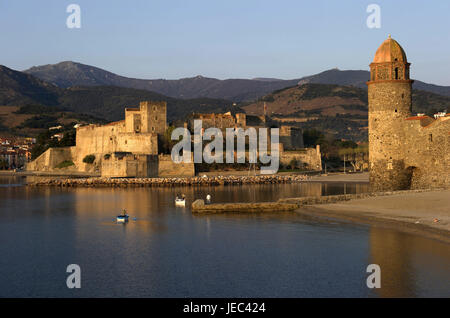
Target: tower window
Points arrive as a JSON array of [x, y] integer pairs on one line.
[[395, 110], [396, 73], [430, 138]]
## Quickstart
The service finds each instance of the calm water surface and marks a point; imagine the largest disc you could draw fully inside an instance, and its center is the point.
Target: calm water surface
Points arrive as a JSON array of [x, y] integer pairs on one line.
[[168, 252]]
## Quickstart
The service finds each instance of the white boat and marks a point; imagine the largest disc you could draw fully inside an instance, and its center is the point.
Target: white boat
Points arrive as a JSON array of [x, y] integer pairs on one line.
[[180, 202], [122, 218]]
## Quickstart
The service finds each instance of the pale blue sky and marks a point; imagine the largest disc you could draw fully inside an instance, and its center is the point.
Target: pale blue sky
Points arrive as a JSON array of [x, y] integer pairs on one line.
[[224, 38]]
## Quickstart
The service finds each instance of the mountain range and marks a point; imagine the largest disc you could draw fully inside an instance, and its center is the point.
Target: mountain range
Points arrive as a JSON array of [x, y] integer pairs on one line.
[[67, 74], [107, 102], [339, 108]]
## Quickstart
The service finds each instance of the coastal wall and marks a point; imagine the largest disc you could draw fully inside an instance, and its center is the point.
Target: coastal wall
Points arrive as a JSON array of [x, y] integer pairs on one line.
[[199, 206], [127, 165], [168, 168], [169, 182], [48, 160]]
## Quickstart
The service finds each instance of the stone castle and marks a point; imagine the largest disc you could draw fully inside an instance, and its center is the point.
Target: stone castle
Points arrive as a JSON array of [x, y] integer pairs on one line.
[[405, 151], [127, 148], [130, 147]]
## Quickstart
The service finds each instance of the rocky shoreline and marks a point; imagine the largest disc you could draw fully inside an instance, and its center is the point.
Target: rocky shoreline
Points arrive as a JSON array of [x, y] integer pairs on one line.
[[168, 182]]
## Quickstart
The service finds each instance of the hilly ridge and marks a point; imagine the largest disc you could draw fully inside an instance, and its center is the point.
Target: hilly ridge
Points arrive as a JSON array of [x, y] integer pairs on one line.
[[67, 74], [20, 88], [107, 102], [341, 111]]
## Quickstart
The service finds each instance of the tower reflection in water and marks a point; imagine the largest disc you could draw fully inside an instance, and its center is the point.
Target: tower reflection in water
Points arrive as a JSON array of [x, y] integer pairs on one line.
[[402, 257]]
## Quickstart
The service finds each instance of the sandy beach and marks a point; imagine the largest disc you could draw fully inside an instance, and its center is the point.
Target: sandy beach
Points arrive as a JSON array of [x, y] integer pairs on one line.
[[424, 213]]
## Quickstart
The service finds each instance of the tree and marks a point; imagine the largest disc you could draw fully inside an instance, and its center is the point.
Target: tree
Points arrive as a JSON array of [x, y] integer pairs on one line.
[[355, 156], [89, 159], [3, 164]]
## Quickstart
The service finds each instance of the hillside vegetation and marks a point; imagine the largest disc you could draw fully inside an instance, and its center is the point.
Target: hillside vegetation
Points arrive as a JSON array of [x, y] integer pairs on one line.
[[338, 110]]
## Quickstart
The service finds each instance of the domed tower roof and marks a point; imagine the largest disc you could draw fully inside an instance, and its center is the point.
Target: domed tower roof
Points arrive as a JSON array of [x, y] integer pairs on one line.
[[390, 51]]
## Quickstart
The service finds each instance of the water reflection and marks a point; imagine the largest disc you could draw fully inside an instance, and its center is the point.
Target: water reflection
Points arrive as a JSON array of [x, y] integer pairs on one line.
[[403, 257], [168, 252]]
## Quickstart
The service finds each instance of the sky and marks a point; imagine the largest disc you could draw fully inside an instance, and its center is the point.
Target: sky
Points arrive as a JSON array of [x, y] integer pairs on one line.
[[225, 38]]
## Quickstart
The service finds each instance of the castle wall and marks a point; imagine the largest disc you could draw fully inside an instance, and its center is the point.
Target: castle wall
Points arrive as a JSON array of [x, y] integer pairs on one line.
[[221, 121], [100, 140], [133, 120], [126, 165], [427, 153], [309, 158], [48, 160], [291, 137], [168, 168]]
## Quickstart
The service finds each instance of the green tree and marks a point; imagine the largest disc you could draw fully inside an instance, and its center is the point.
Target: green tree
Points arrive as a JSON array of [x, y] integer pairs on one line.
[[89, 159]]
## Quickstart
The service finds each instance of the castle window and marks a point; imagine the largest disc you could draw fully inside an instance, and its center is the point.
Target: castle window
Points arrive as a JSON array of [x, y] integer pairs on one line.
[[396, 73], [156, 117], [395, 110], [154, 108], [126, 142], [403, 95], [153, 128], [430, 138]]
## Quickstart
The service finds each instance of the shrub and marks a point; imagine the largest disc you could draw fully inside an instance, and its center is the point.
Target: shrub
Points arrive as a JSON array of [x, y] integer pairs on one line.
[[89, 159], [107, 156], [64, 164]]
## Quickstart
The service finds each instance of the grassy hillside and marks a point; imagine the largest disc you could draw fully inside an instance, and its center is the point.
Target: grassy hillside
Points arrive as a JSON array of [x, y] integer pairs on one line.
[[32, 120]]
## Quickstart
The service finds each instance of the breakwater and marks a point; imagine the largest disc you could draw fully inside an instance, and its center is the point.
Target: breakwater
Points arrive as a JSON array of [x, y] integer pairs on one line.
[[287, 204], [168, 182]]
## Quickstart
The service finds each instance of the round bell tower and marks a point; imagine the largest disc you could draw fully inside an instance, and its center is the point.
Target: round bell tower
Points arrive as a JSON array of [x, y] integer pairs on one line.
[[389, 96]]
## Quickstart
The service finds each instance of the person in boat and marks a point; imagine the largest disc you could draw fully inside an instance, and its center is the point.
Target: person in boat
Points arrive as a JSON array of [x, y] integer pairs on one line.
[[124, 212], [183, 197]]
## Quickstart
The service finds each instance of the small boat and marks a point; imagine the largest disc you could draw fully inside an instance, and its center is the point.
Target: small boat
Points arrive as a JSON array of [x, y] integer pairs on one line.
[[180, 202], [122, 218]]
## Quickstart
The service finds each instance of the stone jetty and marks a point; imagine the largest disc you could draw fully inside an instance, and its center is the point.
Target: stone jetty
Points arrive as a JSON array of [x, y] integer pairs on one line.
[[168, 182], [288, 204]]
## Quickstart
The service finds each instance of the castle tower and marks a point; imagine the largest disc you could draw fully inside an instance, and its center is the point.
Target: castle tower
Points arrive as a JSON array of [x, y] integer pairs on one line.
[[389, 94], [153, 117]]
